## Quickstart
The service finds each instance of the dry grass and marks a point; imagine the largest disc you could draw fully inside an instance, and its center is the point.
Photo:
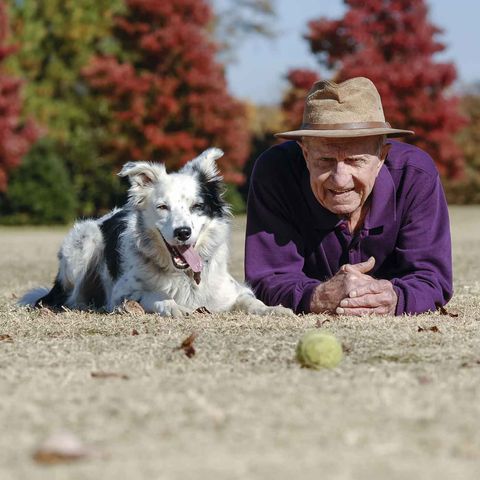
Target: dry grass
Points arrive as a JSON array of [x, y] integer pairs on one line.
[[403, 403]]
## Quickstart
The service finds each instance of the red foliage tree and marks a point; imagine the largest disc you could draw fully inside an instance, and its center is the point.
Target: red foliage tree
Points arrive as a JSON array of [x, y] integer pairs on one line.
[[393, 43], [15, 136], [300, 81], [167, 93]]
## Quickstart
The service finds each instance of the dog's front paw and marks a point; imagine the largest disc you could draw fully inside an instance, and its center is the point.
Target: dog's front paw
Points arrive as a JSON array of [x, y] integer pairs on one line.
[[170, 308], [277, 310], [259, 308]]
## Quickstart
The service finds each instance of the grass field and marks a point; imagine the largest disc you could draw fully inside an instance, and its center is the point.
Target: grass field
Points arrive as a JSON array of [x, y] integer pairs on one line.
[[404, 403]]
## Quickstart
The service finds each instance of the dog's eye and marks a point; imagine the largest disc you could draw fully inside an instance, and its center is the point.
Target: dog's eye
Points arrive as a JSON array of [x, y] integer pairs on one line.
[[198, 207], [162, 206]]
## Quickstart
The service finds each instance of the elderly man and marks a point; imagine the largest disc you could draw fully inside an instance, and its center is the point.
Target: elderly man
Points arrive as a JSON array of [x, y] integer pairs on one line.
[[343, 221]]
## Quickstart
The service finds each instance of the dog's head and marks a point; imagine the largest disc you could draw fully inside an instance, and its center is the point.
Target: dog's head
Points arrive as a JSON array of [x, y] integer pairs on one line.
[[178, 205]]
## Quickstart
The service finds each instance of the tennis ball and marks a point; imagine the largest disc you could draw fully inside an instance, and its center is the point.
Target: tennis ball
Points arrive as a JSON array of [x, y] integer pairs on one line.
[[319, 349]]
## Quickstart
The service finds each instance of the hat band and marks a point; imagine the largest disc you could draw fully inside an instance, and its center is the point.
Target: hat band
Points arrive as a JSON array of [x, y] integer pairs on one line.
[[344, 126]]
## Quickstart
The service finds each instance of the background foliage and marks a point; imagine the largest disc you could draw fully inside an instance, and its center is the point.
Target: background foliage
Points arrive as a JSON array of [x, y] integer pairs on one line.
[[16, 135], [108, 81]]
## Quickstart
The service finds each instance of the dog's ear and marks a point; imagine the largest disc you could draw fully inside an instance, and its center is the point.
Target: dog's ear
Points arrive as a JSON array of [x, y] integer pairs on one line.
[[205, 164], [142, 174]]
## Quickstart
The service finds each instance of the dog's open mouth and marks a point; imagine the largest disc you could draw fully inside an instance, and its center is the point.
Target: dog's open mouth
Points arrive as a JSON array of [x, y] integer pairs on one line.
[[184, 256]]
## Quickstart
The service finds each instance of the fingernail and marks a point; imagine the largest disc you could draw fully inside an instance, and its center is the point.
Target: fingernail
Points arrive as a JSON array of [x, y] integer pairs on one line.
[[339, 310], [353, 294], [344, 303]]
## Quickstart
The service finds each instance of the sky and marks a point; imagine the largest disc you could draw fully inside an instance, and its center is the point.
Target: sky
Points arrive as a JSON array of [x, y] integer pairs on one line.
[[258, 72]]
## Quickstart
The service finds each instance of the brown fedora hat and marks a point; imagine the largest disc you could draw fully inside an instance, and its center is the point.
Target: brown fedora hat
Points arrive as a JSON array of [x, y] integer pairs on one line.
[[352, 108]]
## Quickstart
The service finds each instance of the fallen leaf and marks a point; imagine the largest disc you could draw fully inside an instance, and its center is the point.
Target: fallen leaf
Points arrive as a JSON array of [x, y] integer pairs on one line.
[[135, 332], [321, 322], [187, 345], [6, 338], [132, 308], [101, 374], [434, 329], [61, 447], [444, 311], [424, 380]]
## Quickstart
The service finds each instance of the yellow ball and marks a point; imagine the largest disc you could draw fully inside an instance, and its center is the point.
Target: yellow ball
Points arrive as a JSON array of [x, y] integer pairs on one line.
[[319, 349]]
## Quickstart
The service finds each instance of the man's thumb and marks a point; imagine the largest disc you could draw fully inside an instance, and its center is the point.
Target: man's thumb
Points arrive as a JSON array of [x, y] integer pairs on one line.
[[362, 267]]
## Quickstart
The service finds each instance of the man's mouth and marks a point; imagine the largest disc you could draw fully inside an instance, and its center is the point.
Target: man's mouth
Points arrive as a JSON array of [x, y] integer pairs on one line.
[[340, 191]]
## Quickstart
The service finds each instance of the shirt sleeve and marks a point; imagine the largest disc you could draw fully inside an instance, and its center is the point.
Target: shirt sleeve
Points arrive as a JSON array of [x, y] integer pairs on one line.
[[423, 281], [274, 248]]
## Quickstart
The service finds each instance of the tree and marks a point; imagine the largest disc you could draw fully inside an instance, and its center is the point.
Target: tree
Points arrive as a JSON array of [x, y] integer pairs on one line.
[[167, 94], [16, 135], [393, 43], [57, 39], [300, 81], [467, 189]]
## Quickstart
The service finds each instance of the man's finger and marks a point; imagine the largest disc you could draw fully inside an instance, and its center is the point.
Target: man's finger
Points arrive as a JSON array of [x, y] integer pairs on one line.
[[370, 300], [362, 311], [373, 287], [362, 267]]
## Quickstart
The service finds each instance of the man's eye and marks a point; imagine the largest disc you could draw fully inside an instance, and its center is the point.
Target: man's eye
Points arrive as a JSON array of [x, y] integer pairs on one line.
[[162, 206], [198, 206]]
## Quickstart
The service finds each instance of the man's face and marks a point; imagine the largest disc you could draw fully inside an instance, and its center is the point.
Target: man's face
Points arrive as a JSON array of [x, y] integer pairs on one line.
[[343, 171]]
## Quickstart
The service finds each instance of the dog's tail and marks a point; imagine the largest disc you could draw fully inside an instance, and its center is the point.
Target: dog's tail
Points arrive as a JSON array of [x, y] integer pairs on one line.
[[32, 297]]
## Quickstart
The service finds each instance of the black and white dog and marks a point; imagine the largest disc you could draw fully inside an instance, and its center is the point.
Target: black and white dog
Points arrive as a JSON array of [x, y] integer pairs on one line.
[[167, 248]]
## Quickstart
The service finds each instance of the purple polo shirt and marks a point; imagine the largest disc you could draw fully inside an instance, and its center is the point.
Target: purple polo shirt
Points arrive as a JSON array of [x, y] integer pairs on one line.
[[293, 243]]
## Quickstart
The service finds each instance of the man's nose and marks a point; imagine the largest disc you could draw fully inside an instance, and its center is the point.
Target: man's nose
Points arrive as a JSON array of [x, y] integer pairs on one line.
[[341, 174]]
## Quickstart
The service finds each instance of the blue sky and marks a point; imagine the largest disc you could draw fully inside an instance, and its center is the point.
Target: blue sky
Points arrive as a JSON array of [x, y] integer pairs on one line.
[[257, 75]]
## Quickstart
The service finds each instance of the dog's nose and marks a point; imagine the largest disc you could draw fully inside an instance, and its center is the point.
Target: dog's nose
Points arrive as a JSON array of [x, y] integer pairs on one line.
[[182, 233]]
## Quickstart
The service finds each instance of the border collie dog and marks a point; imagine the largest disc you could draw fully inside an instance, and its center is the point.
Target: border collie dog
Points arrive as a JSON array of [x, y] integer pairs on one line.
[[166, 248]]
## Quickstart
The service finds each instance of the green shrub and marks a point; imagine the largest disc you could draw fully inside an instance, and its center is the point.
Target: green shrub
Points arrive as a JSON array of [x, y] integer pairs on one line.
[[40, 190], [234, 198]]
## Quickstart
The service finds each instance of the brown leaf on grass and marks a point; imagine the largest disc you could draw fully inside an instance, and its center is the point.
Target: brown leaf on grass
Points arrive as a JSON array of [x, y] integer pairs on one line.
[[61, 447], [132, 308], [135, 332], [470, 364], [444, 311], [434, 329], [187, 345], [6, 338], [101, 374], [321, 322], [424, 380], [202, 310]]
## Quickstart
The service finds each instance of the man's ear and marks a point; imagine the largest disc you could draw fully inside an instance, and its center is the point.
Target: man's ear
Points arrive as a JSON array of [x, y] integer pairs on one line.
[[303, 147], [383, 155], [384, 151]]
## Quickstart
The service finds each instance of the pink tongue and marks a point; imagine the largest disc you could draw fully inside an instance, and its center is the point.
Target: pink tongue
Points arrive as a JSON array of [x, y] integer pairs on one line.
[[191, 257]]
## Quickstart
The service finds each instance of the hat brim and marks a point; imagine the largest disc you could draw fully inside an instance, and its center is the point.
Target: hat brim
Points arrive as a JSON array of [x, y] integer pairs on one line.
[[351, 133]]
